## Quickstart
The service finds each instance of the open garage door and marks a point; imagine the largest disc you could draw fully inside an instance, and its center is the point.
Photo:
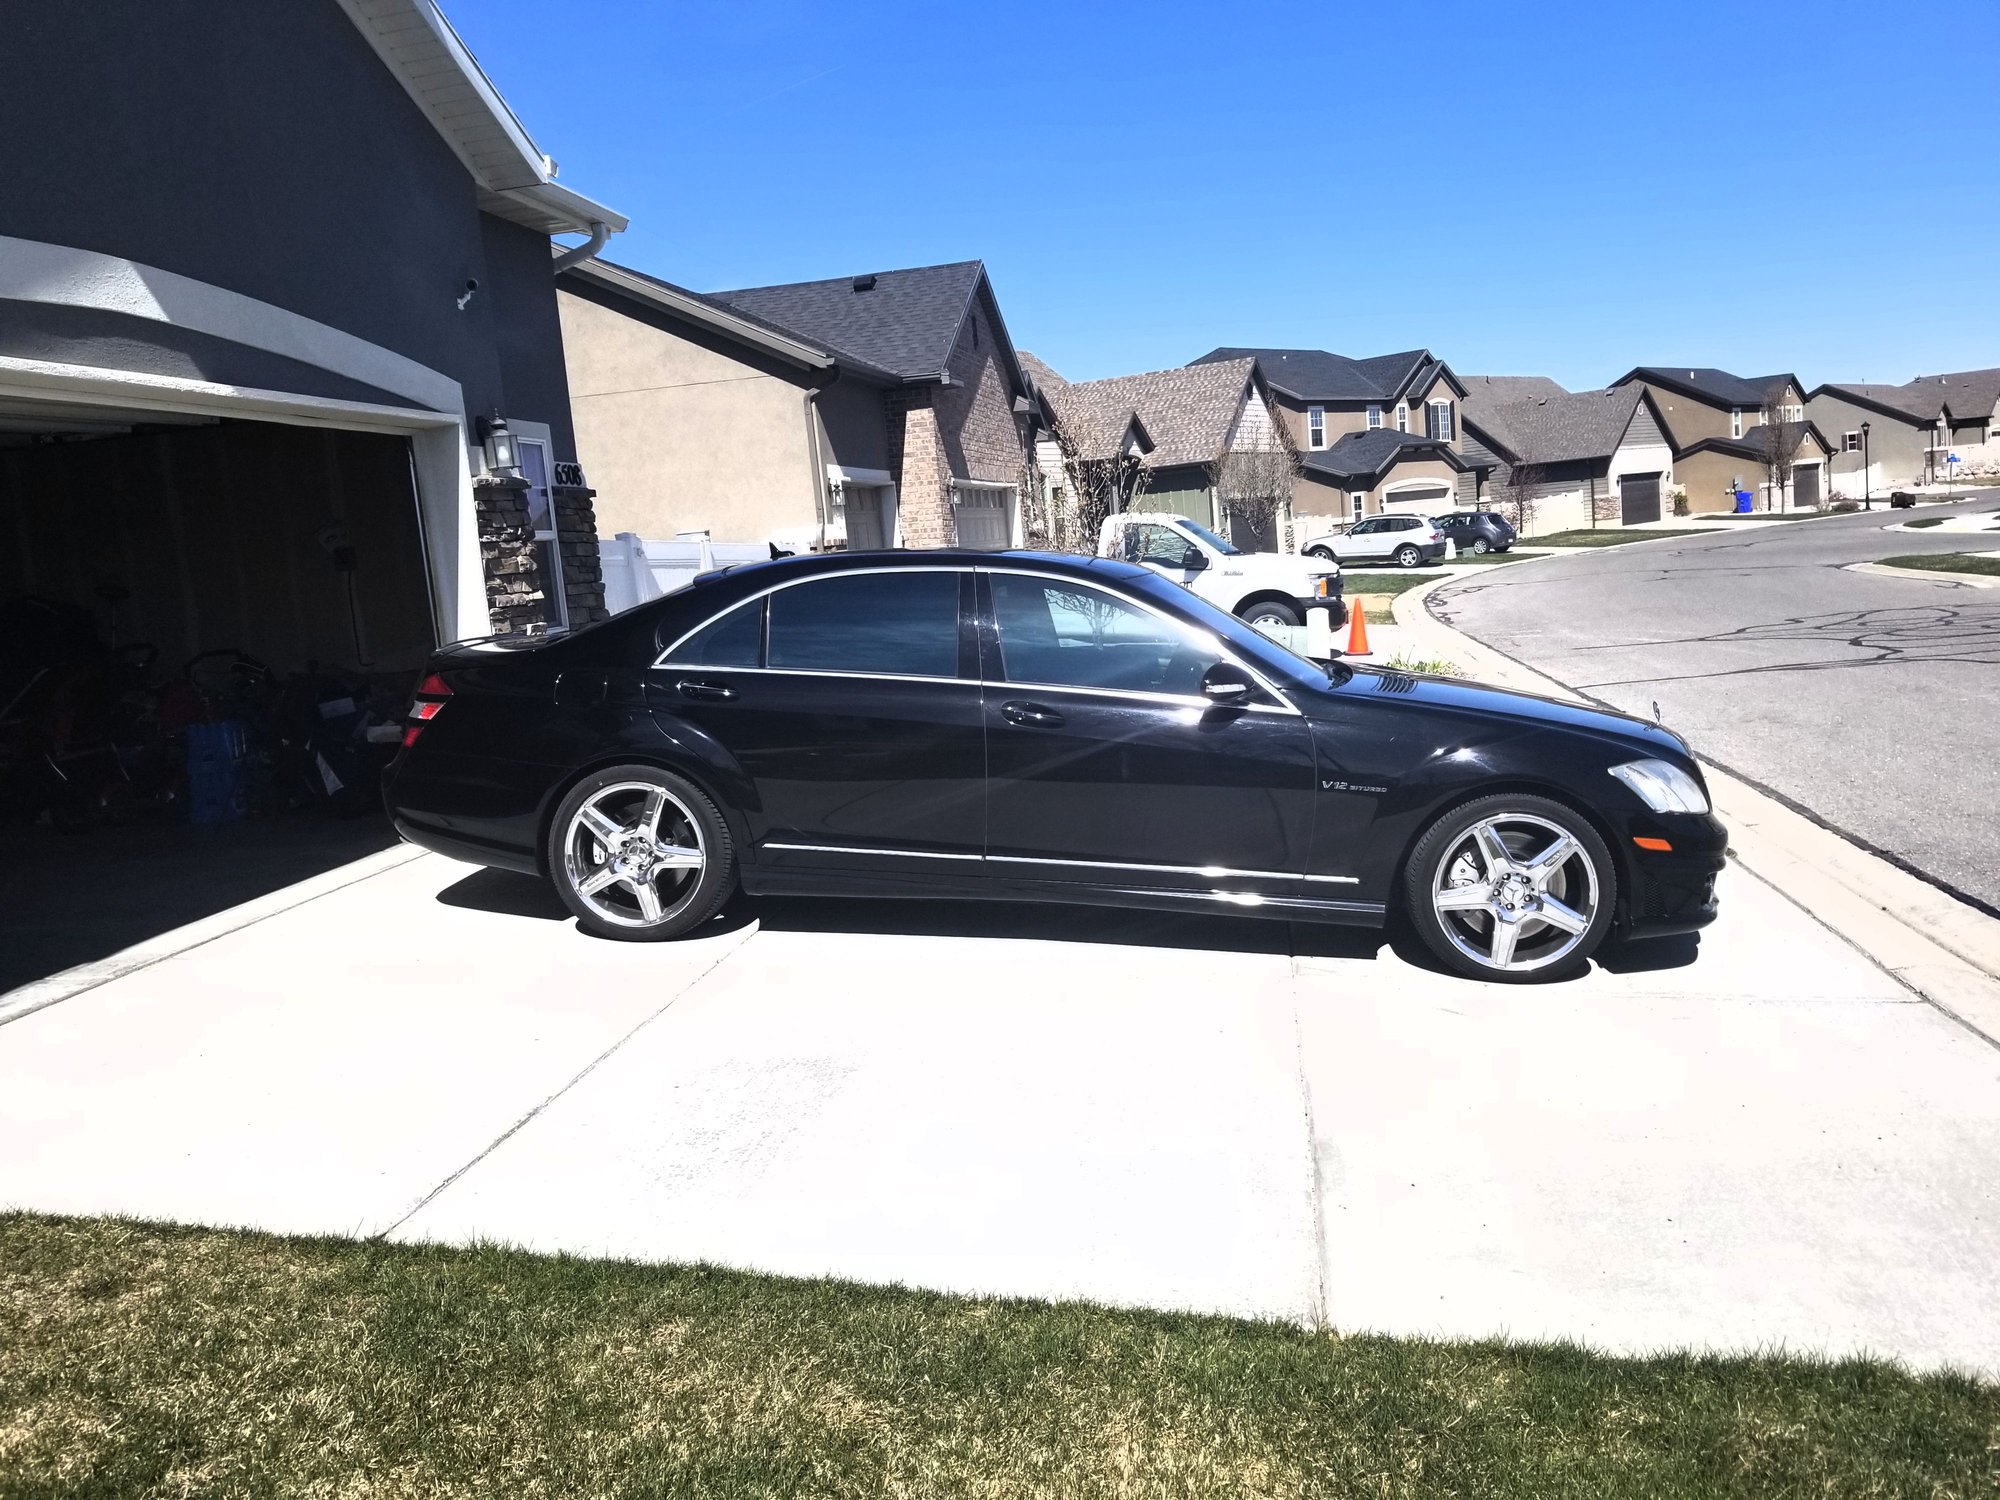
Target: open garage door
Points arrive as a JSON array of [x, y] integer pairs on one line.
[[212, 627], [1638, 498]]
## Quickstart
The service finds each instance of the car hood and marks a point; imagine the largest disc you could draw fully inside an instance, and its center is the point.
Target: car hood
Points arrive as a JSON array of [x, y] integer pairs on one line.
[[1484, 701]]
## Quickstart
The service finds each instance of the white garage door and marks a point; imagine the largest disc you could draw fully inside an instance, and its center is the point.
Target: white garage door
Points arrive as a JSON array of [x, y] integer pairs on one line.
[[985, 516]]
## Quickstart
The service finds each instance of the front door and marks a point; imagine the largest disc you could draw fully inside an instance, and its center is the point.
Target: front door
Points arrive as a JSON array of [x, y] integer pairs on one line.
[[854, 714], [1108, 767]]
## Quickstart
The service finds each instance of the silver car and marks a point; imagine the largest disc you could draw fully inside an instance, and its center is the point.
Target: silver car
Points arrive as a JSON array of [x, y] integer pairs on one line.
[[1407, 541]]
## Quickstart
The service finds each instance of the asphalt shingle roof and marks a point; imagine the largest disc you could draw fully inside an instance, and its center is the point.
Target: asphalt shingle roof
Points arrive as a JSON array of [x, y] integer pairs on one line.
[[906, 322], [1319, 375], [1562, 428], [1039, 371], [1718, 385], [1188, 412], [1969, 393], [1918, 402], [1363, 455], [1493, 390]]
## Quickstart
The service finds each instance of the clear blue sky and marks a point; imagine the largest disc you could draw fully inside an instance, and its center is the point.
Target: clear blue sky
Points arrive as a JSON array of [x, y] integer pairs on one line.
[[1539, 188]]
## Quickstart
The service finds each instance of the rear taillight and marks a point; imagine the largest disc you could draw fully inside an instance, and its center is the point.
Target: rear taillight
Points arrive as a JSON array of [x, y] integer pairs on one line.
[[427, 705]]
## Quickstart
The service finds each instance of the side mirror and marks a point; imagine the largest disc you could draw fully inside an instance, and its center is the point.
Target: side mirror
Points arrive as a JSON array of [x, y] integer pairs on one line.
[[1194, 559], [1227, 685]]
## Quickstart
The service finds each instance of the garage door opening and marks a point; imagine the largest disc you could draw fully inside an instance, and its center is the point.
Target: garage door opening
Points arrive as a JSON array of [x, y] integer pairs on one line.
[[212, 629]]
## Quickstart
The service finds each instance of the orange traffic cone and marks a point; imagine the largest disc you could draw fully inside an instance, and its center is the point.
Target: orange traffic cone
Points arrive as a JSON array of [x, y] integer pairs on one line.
[[1357, 631]]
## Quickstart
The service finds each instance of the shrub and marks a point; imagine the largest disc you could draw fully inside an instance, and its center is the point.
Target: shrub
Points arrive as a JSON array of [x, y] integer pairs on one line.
[[1842, 507]]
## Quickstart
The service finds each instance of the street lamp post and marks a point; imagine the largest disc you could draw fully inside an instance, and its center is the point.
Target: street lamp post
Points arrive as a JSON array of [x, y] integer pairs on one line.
[[1867, 479]]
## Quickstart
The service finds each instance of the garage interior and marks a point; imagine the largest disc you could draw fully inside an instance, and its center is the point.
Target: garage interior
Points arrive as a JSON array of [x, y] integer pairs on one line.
[[142, 556]]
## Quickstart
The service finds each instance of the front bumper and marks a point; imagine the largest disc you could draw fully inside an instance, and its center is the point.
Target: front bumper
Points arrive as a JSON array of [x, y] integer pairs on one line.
[[1670, 891], [1332, 602]]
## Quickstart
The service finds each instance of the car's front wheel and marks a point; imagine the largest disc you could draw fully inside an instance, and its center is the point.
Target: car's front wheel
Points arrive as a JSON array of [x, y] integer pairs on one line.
[[640, 854], [1513, 888], [1269, 612], [1408, 556]]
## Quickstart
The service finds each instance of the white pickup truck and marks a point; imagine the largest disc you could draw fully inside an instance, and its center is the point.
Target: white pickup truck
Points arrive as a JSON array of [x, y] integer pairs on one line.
[[1265, 588]]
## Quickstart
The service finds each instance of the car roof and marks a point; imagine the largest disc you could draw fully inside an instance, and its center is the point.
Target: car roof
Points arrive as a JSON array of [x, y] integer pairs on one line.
[[812, 564]]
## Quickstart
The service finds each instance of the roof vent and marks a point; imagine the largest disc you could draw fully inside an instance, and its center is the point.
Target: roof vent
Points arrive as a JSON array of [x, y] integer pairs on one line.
[[864, 283]]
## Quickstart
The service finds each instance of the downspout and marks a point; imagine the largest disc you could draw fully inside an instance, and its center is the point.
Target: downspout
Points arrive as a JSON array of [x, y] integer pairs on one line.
[[578, 254], [815, 455]]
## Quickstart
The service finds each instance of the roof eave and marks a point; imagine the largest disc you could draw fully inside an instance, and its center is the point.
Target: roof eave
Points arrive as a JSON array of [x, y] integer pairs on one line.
[[703, 313]]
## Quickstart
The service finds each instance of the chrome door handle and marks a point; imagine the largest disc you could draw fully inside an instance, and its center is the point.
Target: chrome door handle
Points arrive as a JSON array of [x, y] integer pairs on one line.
[[1030, 715], [690, 688]]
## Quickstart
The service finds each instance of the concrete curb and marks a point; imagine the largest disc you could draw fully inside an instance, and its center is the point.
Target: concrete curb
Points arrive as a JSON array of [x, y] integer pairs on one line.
[[1945, 950], [1931, 575], [42, 993]]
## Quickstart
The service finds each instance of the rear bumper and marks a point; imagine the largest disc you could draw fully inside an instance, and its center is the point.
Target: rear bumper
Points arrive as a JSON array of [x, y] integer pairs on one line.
[[464, 807]]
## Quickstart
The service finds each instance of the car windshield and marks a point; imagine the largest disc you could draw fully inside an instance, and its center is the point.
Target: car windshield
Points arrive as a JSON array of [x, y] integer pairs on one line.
[[1210, 537]]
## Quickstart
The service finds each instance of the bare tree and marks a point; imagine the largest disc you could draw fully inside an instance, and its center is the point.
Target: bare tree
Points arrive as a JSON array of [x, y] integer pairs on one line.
[[1096, 485], [1777, 441], [1253, 483], [1520, 492]]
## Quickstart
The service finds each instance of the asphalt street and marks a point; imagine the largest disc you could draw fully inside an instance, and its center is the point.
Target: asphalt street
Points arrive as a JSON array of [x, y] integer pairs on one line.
[[1871, 702]]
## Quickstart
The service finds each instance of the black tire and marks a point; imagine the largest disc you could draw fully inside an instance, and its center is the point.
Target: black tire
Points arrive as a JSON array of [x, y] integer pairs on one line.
[[1324, 554], [1443, 840], [1480, 546], [1408, 556], [1270, 609], [684, 905]]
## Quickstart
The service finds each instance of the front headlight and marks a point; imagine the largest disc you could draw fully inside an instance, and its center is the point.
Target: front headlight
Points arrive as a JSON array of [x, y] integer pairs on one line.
[[1663, 786]]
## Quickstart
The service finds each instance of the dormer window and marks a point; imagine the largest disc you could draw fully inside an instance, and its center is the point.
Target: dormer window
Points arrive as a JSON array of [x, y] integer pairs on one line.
[[1315, 426], [1374, 417], [1440, 420], [1736, 421], [1402, 416]]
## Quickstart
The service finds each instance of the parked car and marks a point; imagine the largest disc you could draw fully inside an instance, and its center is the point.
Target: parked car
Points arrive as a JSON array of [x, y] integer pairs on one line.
[[1029, 727], [1265, 588], [1476, 531], [1407, 541]]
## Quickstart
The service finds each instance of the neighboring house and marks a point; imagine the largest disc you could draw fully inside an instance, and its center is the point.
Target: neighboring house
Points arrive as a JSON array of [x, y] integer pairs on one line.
[[1732, 433], [882, 410], [267, 274], [1203, 438], [1566, 460], [1971, 417], [1893, 429], [1372, 434]]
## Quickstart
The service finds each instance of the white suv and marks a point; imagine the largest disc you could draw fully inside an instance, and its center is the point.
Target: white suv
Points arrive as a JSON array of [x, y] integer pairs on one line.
[[1407, 541]]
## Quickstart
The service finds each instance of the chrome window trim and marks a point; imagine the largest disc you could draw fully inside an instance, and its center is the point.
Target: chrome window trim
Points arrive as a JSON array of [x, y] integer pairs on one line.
[[1209, 872], [1283, 706]]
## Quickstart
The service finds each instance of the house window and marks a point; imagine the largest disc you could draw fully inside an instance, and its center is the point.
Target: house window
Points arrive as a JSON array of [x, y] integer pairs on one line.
[[1402, 416], [1315, 426], [1850, 442], [1440, 420], [1736, 421], [1374, 416], [536, 468]]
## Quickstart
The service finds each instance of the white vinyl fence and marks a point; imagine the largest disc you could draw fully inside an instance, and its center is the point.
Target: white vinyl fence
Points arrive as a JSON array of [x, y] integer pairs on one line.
[[636, 570]]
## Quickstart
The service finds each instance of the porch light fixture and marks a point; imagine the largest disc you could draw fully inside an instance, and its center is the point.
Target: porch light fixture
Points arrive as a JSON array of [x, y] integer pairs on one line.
[[503, 456]]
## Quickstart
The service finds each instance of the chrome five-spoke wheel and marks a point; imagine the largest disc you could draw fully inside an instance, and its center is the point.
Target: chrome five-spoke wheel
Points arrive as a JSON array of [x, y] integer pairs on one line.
[[1515, 892], [639, 853]]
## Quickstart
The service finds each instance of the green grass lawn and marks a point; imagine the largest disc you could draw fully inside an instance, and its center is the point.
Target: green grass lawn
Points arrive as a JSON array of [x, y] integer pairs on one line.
[[1382, 585], [1948, 562], [1610, 536], [146, 1361], [1926, 521], [1763, 515]]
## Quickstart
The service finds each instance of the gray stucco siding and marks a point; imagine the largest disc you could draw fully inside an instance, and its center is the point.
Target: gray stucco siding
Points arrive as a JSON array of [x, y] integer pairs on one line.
[[266, 149], [857, 430]]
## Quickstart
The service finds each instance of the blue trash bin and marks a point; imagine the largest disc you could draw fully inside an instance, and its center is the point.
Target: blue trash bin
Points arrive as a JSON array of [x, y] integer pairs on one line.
[[215, 755], [1742, 502]]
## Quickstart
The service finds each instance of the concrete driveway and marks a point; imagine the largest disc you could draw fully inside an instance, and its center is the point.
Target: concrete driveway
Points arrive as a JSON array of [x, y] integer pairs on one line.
[[1772, 1143]]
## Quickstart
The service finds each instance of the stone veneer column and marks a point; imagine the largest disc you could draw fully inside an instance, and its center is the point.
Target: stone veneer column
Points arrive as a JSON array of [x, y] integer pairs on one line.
[[923, 478]]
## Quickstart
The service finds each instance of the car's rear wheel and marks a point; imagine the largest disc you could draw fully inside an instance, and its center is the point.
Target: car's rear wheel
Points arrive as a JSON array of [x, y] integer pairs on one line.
[[1324, 554], [1269, 612], [1511, 887], [1408, 556], [1480, 546], [640, 854]]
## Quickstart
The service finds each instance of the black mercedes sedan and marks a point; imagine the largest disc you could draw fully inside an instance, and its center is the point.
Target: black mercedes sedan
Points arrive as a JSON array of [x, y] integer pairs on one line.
[[1023, 726]]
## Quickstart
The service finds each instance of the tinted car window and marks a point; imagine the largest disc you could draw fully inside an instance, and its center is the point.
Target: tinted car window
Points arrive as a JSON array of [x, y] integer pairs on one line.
[[1153, 543], [1071, 635], [735, 640], [902, 624]]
